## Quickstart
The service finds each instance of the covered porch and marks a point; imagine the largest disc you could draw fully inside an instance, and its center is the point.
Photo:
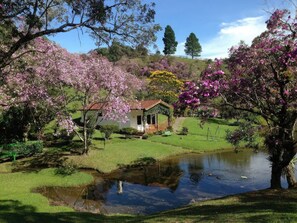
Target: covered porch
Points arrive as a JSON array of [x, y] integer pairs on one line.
[[156, 118]]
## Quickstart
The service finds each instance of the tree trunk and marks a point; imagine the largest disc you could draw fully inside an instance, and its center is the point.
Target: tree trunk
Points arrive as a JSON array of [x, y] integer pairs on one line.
[[290, 175], [276, 172], [86, 146]]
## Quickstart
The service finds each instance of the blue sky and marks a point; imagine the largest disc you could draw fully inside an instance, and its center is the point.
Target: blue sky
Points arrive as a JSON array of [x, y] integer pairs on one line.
[[218, 24]]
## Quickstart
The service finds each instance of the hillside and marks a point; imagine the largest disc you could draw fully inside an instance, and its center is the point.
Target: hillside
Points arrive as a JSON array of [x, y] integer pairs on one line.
[[141, 63]]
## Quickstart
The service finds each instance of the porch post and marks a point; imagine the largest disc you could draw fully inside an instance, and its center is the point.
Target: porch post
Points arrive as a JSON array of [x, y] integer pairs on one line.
[[157, 121], [143, 120]]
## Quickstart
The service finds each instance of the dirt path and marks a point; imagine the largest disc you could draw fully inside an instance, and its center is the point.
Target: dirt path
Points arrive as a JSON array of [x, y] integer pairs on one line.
[[178, 124]]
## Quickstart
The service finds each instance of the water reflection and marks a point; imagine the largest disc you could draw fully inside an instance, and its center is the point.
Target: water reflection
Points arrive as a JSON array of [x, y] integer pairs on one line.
[[168, 184]]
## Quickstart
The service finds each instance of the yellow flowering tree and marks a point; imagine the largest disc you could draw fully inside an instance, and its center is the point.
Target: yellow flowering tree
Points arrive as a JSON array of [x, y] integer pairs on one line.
[[164, 85]]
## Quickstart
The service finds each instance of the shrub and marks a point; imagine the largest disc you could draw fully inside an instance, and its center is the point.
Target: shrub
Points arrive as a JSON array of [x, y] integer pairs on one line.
[[67, 169], [108, 130], [21, 149], [159, 132], [145, 137], [184, 131], [128, 131]]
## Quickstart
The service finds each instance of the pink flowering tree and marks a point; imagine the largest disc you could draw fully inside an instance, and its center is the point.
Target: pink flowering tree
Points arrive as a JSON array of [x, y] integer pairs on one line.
[[52, 76], [262, 80], [96, 81], [198, 95]]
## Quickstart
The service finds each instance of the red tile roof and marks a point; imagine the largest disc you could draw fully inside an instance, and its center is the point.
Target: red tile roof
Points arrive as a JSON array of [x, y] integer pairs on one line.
[[135, 105]]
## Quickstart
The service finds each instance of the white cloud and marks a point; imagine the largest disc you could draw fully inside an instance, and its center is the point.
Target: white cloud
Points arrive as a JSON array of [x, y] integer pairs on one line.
[[230, 34]]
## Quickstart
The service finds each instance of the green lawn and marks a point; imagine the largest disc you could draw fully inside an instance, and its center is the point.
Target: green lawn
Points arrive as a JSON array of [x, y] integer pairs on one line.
[[196, 143], [213, 128], [123, 153], [201, 138]]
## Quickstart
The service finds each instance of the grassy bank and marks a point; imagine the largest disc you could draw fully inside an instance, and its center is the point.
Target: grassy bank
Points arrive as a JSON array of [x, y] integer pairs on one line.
[[258, 206], [16, 189]]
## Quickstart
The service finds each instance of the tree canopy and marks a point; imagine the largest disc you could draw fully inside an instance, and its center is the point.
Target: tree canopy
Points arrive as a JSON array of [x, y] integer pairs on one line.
[[192, 46], [24, 20], [164, 85], [169, 41]]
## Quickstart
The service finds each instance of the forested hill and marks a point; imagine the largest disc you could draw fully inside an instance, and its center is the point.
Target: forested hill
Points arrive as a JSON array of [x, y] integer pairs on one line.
[[139, 62]]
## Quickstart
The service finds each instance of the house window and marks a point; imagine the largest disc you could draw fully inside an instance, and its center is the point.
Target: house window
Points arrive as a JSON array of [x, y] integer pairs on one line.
[[139, 120], [153, 119], [148, 119]]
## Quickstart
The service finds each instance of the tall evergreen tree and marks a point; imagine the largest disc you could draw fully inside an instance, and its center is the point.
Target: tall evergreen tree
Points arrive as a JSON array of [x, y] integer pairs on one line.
[[192, 46], [169, 41]]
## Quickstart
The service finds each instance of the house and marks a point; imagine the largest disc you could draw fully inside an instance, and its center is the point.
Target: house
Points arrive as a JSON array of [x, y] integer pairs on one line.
[[143, 115]]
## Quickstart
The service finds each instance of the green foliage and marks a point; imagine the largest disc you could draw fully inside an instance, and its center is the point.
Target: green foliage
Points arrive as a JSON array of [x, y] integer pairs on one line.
[[184, 131], [22, 123], [66, 169], [170, 43], [9, 154], [192, 46], [143, 161], [13, 124], [244, 133], [107, 130], [118, 51], [128, 131], [21, 149]]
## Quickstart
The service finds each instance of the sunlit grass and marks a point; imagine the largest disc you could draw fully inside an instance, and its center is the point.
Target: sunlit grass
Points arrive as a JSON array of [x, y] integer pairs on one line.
[[108, 158], [209, 136]]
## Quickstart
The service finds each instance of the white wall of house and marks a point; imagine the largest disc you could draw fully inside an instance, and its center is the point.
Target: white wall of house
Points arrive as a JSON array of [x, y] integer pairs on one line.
[[132, 120], [135, 120]]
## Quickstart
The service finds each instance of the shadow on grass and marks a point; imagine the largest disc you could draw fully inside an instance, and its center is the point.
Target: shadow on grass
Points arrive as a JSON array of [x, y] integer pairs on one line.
[[259, 206], [12, 211], [54, 156], [40, 161]]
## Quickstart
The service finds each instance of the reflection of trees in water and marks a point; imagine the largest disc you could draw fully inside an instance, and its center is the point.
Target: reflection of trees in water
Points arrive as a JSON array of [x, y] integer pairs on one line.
[[75, 197], [161, 174], [195, 169], [99, 191], [234, 159]]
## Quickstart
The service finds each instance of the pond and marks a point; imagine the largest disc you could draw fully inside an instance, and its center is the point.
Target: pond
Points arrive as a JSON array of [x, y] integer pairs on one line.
[[169, 184]]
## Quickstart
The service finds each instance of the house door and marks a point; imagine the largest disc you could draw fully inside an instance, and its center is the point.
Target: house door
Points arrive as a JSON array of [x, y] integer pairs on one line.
[[139, 123]]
